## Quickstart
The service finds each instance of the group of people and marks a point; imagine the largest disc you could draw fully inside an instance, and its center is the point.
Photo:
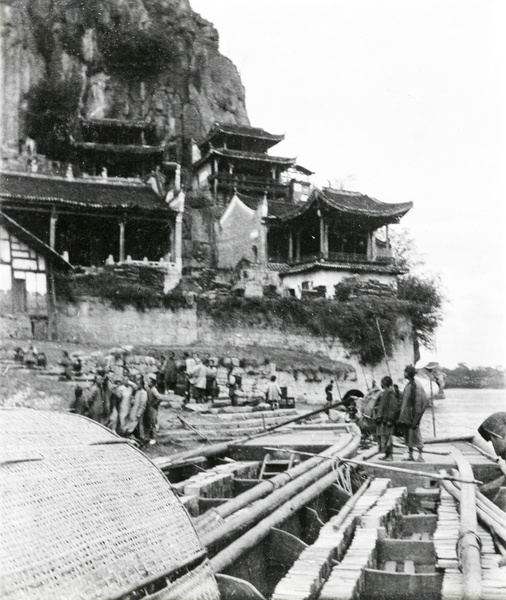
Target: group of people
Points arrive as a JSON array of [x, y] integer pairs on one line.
[[396, 413], [127, 405]]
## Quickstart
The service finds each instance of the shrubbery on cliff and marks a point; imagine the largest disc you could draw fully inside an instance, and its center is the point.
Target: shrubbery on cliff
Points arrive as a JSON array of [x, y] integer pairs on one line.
[[355, 323]]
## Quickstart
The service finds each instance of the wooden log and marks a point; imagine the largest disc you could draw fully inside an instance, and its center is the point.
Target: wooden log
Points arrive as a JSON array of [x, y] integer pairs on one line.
[[264, 488], [489, 521], [468, 534], [448, 440], [261, 508], [255, 534], [379, 466]]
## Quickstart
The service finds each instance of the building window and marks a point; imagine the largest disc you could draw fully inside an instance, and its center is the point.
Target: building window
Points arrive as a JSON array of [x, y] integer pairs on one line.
[[255, 253]]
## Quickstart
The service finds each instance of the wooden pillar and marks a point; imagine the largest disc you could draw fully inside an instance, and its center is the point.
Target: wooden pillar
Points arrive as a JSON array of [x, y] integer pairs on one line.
[[52, 229], [121, 241], [324, 238], [371, 246], [297, 246], [290, 247]]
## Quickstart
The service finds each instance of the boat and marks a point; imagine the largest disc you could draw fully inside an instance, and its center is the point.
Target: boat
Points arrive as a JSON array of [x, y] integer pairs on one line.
[[297, 510]]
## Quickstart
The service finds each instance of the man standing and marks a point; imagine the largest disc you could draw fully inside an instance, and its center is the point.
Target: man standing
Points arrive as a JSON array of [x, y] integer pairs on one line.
[[170, 373], [198, 379], [386, 411], [414, 403], [151, 412], [273, 393], [96, 401]]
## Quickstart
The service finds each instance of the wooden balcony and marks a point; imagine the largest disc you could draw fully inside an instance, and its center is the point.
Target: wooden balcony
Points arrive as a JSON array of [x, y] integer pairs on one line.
[[334, 257], [249, 184]]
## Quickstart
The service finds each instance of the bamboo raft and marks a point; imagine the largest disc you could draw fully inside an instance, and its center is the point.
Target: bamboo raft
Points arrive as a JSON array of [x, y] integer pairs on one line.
[[291, 512]]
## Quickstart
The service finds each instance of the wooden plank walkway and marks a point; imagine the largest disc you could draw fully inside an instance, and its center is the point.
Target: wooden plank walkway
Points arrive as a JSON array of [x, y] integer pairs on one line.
[[309, 574]]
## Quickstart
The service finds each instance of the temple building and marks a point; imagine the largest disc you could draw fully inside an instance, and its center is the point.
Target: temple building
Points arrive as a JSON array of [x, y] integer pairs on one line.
[[118, 199], [123, 148], [92, 221], [312, 245], [233, 159]]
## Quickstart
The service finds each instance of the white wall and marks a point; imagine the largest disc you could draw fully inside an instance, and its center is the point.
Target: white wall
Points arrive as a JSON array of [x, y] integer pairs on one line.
[[330, 278]]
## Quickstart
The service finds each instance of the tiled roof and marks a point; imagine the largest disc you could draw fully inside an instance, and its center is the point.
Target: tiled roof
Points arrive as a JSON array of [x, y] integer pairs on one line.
[[31, 240], [356, 203], [254, 156], [38, 189], [282, 209], [352, 204], [243, 130], [343, 266]]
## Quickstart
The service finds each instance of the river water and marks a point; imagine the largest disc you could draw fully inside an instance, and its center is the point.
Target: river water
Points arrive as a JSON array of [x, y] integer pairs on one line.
[[463, 411]]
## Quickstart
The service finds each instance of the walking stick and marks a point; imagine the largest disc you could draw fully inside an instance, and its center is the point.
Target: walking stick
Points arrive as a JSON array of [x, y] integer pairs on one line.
[[432, 408], [383, 346]]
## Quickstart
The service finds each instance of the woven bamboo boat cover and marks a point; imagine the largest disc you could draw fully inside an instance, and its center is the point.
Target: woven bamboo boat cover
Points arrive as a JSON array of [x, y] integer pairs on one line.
[[85, 515]]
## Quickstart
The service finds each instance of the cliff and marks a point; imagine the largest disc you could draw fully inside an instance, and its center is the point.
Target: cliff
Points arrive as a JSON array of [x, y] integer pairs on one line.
[[129, 59]]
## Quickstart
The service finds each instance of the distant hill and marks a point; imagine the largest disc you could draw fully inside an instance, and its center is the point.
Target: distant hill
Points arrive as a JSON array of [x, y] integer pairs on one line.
[[478, 377]]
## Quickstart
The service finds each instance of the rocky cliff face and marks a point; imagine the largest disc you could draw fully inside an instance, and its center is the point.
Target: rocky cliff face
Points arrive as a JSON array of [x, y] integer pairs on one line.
[[127, 59]]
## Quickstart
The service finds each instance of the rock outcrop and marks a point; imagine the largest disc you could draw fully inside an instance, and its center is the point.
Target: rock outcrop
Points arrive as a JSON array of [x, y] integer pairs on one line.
[[128, 59]]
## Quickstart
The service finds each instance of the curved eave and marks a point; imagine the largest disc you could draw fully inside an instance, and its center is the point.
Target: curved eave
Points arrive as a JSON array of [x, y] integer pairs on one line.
[[383, 214], [54, 200], [341, 266], [218, 129], [245, 156]]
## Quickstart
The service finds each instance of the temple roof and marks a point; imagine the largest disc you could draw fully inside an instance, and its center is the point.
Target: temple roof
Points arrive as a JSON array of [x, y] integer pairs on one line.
[[318, 265], [32, 240], [43, 190], [242, 155], [350, 204], [242, 131], [126, 148]]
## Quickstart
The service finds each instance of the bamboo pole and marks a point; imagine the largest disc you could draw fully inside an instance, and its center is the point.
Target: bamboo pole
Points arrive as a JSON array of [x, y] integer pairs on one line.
[[449, 440], [256, 534], [469, 542], [261, 508], [266, 487], [382, 467], [485, 517]]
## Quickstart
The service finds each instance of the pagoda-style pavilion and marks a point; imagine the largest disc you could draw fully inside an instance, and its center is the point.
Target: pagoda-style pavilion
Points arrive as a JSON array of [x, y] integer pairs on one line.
[[331, 236], [92, 220], [123, 148], [234, 159]]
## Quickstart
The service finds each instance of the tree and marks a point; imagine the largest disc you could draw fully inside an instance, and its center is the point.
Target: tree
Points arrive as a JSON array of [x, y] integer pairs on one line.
[[419, 288]]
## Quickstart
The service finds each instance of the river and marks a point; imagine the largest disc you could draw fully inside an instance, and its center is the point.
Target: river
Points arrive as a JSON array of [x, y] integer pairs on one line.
[[463, 410]]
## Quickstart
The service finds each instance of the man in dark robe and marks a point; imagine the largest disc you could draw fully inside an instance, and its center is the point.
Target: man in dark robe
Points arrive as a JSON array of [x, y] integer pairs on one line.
[[414, 403], [386, 413]]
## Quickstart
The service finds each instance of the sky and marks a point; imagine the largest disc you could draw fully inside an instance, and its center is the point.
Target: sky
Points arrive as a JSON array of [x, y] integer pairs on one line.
[[401, 100]]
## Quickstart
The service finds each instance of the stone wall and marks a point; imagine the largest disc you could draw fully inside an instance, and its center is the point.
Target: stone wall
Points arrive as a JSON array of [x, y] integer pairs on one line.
[[95, 322], [238, 337]]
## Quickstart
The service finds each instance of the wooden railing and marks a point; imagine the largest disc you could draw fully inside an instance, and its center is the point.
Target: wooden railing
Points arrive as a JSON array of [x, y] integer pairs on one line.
[[336, 257]]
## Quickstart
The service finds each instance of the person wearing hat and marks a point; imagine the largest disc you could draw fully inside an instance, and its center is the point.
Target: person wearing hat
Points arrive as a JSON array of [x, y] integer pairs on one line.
[[170, 372], [152, 406], [135, 423], [414, 403]]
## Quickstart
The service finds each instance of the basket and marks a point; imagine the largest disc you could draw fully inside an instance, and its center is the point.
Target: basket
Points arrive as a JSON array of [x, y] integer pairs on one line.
[[86, 515]]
